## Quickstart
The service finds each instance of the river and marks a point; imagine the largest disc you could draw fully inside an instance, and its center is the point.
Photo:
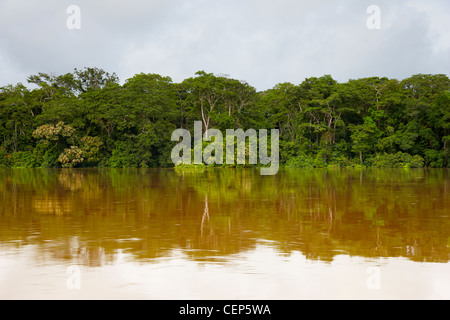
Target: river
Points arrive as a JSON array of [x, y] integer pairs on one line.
[[224, 234]]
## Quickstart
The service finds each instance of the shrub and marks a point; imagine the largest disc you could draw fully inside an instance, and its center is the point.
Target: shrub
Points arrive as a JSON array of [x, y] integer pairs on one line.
[[5, 158], [434, 159], [304, 161], [23, 159], [50, 158], [123, 157], [398, 160]]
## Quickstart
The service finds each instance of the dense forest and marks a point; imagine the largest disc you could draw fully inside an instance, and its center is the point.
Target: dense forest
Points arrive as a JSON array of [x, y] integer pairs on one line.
[[88, 119]]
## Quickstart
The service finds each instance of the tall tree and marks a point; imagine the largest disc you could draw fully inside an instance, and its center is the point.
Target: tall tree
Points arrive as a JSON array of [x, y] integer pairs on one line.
[[205, 94], [17, 115]]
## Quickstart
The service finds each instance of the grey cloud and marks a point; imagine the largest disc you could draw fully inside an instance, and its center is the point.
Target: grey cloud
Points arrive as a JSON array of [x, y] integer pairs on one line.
[[261, 41]]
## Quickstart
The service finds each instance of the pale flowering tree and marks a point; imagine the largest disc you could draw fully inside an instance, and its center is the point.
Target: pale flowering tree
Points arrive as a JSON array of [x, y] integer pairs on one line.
[[90, 146], [52, 139], [50, 132], [71, 157], [87, 153]]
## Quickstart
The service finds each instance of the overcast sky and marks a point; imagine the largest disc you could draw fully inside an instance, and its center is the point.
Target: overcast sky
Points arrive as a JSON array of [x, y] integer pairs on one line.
[[263, 42]]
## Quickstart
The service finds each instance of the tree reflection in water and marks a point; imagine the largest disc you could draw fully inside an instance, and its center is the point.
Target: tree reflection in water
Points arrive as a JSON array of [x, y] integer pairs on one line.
[[88, 215]]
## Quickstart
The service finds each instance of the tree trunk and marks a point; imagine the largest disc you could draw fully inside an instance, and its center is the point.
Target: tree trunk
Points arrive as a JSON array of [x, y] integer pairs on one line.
[[205, 121], [15, 137]]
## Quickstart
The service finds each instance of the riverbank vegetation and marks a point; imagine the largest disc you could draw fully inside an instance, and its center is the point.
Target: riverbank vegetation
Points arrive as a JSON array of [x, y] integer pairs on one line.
[[88, 119]]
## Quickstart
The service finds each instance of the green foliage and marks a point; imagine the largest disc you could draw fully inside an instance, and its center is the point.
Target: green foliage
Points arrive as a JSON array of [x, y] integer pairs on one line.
[[5, 158], [87, 119], [50, 158], [23, 159], [123, 156], [304, 161], [399, 160], [363, 137], [435, 159]]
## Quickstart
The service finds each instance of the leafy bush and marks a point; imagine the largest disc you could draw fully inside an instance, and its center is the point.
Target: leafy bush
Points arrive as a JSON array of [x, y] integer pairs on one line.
[[398, 160], [5, 159], [434, 159], [339, 160], [304, 161], [50, 159], [123, 156], [23, 159]]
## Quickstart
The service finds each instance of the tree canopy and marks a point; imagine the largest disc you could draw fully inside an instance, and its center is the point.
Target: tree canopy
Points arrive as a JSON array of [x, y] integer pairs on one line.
[[88, 119]]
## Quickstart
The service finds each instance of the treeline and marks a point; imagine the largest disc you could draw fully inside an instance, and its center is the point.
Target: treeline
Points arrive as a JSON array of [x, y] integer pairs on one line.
[[87, 119]]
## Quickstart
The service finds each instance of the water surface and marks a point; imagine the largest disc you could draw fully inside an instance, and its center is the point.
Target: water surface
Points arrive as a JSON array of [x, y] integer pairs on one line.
[[224, 234]]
